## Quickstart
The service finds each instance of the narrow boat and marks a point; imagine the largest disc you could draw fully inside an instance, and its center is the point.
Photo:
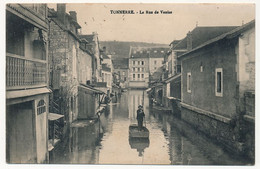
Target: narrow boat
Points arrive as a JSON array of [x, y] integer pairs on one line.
[[134, 132]]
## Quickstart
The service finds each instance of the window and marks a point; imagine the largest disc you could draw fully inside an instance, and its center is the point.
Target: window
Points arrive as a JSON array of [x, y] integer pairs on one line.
[[143, 69], [142, 76], [138, 69], [133, 62], [133, 69], [168, 90], [189, 82], [142, 62], [123, 73], [155, 62], [138, 76], [219, 82], [133, 76], [41, 107], [138, 62], [155, 51]]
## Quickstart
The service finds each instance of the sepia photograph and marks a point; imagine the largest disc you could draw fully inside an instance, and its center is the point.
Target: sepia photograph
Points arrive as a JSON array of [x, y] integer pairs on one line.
[[130, 83]]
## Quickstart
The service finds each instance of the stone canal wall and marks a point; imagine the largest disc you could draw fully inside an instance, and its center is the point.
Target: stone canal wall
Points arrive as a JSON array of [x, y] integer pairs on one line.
[[221, 129]]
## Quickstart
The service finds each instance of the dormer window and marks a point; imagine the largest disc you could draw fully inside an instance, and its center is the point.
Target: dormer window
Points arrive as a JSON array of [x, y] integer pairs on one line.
[[155, 51]]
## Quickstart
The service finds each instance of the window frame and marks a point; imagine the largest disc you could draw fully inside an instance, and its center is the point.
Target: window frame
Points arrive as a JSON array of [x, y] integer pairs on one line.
[[217, 93], [189, 82], [41, 107]]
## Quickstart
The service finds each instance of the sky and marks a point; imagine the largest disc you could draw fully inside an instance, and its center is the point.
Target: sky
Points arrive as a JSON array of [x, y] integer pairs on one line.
[[156, 28]]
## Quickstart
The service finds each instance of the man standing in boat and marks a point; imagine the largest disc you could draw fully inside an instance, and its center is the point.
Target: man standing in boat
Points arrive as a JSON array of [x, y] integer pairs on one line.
[[140, 117]]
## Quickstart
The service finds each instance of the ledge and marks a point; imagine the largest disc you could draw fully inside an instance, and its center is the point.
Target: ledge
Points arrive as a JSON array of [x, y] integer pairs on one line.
[[249, 118], [207, 113], [173, 98], [26, 93]]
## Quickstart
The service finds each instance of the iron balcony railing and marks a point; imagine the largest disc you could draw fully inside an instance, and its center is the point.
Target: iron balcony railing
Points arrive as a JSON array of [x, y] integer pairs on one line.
[[22, 72]]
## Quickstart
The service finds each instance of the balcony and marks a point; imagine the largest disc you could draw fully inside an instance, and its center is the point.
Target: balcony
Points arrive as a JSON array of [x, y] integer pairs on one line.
[[24, 73]]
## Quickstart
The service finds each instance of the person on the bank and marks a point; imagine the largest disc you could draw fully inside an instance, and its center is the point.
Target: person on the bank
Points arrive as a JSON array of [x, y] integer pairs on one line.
[[140, 117]]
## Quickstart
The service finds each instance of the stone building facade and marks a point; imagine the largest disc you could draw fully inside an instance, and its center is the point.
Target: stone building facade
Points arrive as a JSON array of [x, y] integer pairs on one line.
[[73, 68], [217, 77], [27, 93]]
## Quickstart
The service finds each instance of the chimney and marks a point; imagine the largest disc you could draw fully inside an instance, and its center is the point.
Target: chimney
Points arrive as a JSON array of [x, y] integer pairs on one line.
[[73, 14], [61, 12], [189, 41]]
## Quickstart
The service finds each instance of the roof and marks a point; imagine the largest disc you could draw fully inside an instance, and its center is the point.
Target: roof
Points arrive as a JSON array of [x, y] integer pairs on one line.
[[52, 13], [203, 34], [148, 52], [88, 38], [91, 88], [54, 116], [231, 34], [175, 42], [106, 68], [120, 63]]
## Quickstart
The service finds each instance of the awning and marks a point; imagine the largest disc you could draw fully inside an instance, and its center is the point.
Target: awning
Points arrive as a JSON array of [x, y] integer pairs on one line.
[[149, 89], [26, 93], [54, 116], [169, 79], [91, 89]]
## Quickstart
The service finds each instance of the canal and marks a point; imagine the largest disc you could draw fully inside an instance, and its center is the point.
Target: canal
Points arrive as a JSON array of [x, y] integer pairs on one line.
[[171, 141]]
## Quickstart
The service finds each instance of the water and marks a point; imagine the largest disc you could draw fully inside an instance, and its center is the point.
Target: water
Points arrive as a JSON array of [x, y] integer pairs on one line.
[[171, 141]]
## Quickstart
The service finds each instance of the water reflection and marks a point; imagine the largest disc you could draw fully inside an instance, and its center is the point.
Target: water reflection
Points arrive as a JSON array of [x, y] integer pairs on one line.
[[139, 144], [171, 141]]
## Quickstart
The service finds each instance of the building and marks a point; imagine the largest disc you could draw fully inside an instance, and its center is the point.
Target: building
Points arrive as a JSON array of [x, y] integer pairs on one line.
[[156, 58], [27, 92], [218, 84], [138, 68], [107, 78], [120, 66], [74, 66], [92, 45], [194, 38], [143, 62]]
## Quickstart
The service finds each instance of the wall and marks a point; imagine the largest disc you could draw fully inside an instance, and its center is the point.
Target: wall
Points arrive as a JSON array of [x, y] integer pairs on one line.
[[85, 66], [123, 82], [136, 84], [41, 130], [86, 103], [107, 77], [175, 88], [62, 52], [246, 60], [152, 66], [21, 141], [218, 55]]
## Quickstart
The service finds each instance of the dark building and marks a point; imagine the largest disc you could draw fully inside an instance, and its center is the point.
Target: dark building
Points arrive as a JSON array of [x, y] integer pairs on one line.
[[218, 84], [172, 86]]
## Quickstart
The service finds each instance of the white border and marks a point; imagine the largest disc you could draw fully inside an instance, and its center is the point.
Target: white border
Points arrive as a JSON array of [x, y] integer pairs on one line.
[[2, 86]]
